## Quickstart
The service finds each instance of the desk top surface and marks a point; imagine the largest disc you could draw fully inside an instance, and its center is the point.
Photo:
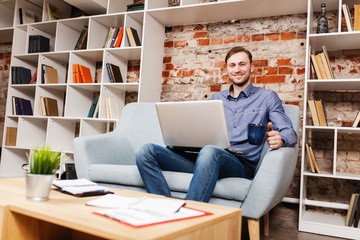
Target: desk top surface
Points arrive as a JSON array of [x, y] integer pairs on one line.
[[71, 212]]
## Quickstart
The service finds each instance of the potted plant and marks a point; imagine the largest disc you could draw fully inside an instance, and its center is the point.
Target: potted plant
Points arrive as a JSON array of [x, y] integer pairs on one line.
[[43, 163]]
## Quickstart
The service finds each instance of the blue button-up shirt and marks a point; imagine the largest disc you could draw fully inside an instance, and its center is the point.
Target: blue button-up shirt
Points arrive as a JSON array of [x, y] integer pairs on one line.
[[254, 105]]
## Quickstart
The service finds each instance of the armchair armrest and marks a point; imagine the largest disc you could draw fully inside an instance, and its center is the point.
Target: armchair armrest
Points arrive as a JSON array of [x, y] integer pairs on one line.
[[108, 148], [271, 182]]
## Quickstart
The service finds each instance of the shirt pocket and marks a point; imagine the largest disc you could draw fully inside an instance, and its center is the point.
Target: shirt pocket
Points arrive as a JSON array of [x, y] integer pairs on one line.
[[255, 115]]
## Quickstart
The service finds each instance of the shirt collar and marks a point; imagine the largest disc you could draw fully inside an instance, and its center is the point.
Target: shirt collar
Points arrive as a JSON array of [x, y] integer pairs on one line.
[[246, 92]]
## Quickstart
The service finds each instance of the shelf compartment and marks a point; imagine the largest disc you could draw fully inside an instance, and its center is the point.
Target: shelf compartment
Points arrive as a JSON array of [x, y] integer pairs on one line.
[[31, 6], [7, 9], [134, 20], [214, 12], [16, 157], [58, 93], [72, 29], [31, 132], [120, 58], [90, 127], [119, 6], [61, 133], [347, 158], [20, 41], [335, 41], [64, 9], [334, 84], [26, 92], [119, 96], [332, 225], [47, 30], [59, 61], [90, 7], [86, 58], [99, 29], [27, 61]]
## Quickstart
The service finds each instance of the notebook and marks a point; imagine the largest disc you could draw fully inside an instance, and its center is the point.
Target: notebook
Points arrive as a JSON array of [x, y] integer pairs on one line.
[[193, 124]]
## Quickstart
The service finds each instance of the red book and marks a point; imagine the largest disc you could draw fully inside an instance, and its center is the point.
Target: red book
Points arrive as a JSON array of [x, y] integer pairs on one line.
[[119, 39], [33, 79]]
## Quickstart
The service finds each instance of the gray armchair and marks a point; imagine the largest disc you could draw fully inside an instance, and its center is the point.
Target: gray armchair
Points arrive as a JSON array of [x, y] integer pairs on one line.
[[110, 160]]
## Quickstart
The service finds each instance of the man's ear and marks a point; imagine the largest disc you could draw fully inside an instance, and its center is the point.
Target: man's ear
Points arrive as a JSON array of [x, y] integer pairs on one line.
[[252, 68]]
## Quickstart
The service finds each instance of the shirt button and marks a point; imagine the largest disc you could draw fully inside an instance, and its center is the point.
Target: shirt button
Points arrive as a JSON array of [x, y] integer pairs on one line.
[[234, 126]]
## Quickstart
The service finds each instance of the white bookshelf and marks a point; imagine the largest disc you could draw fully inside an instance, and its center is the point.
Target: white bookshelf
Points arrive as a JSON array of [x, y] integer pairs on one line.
[[74, 99], [321, 222]]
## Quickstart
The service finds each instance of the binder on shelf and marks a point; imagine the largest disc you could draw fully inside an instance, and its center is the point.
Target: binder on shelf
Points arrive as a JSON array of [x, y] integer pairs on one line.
[[38, 43], [114, 73], [11, 134], [21, 106], [133, 37], [20, 75]]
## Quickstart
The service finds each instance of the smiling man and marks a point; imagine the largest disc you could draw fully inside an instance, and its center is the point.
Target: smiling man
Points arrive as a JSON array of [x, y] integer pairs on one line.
[[244, 104]]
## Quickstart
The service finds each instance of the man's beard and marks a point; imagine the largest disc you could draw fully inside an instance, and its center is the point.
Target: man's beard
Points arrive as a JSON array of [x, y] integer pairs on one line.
[[241, 84]]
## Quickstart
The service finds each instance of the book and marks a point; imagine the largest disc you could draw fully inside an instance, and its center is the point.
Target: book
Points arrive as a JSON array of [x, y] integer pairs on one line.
[[143, 211], [310, 157], [313, 158], [80, 187], [314, 114], [316, 67], [11, 134], [133, 37], [93, 105], [52, 11], [328, 64], [347, 16], [33, 78], [51, 106], [51, 75], [85, 74], [21, 106], [351, 211], [357, 214], [356, 17], [356, 122], [320, 109], [20, 75], [114, 73], [38, 43], [82, 40], [119, 38], [21, 16]]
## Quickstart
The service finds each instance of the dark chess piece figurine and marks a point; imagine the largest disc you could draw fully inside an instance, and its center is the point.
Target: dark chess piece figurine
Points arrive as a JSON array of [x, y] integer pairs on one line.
[[322, 26]]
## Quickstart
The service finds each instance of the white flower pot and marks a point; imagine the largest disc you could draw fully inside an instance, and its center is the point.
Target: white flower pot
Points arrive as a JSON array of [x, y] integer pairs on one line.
[[38, 186]]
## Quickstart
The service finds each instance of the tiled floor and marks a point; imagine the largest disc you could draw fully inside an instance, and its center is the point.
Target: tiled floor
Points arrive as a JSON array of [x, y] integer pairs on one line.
[[284, 225]]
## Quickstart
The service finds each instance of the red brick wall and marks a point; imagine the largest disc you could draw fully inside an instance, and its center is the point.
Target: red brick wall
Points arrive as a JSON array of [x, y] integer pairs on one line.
[[5, 58]]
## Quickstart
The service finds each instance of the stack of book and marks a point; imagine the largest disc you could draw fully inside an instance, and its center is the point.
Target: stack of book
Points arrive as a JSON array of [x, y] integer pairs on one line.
[[81, 74], [48, 74], [114, 73], [133, 37], [114, 37], [21, 106], [322, 66], [349, 23], [317, 111], [38, 43], [136, 6], [353, 214], [20, 75], [48, 106]]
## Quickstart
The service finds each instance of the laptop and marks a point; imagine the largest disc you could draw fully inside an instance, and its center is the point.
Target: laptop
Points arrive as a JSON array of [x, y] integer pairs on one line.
[[191, 125]]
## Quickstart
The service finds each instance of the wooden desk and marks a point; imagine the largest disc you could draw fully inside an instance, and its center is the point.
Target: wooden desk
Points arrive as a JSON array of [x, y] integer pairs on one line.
[[67, 217]]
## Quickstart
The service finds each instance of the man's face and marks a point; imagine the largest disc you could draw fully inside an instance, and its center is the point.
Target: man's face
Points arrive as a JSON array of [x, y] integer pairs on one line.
[[239, 69]]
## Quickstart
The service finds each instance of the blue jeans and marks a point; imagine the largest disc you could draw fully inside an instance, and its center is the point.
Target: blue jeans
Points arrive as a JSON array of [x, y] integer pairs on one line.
[[207, 167]]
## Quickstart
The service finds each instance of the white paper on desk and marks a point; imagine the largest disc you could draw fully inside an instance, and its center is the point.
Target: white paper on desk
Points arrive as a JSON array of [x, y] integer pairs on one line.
[[113, 201], [141, 218], [162, 206]]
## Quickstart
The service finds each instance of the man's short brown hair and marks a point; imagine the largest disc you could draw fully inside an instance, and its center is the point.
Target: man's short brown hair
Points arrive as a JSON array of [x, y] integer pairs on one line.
[[235, 50]]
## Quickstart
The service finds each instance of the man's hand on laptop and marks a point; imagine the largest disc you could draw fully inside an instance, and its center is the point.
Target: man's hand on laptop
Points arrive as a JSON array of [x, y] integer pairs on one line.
[[274, 139]]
